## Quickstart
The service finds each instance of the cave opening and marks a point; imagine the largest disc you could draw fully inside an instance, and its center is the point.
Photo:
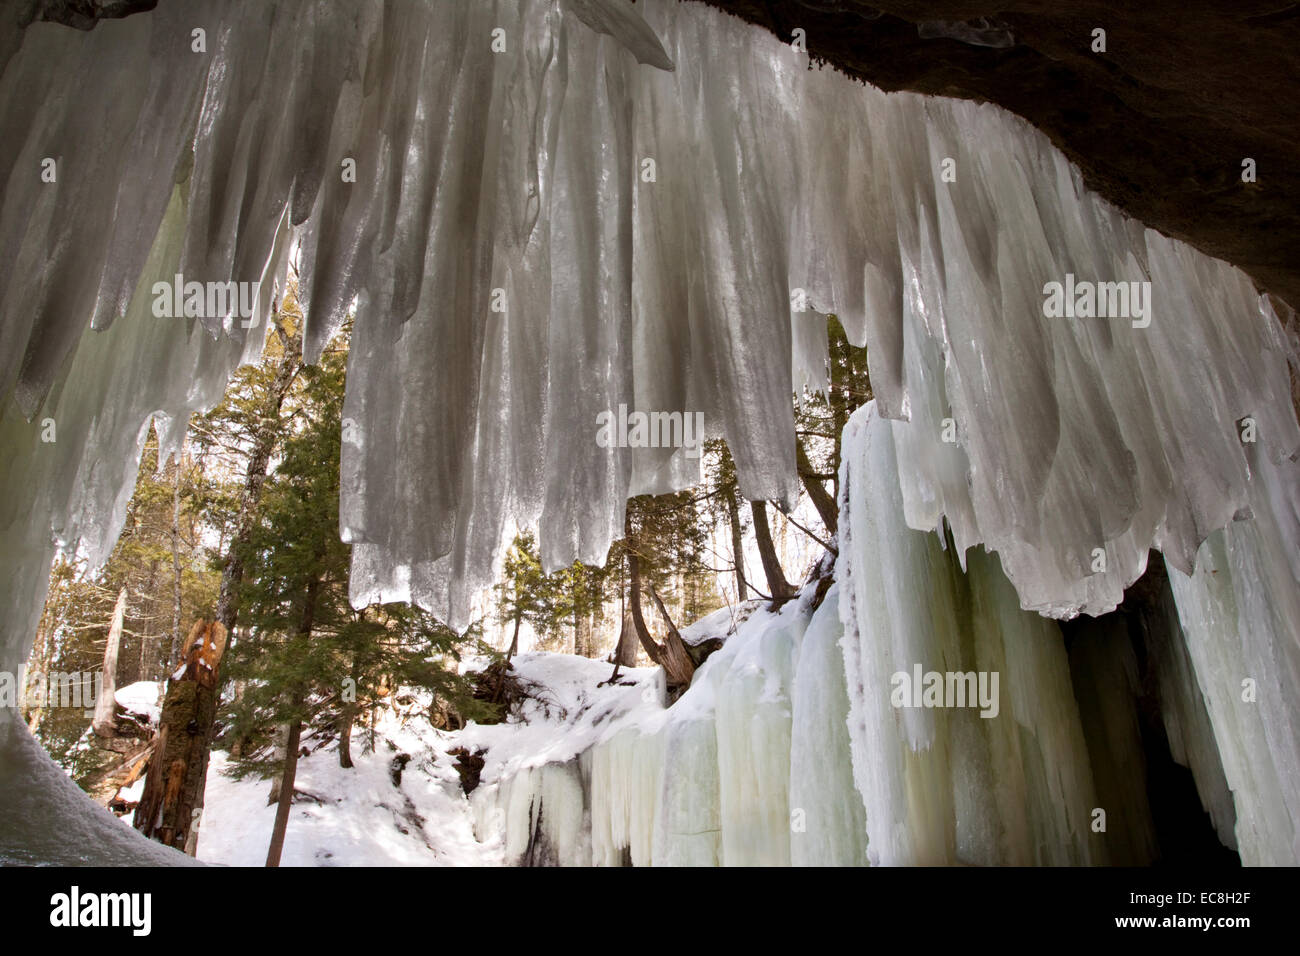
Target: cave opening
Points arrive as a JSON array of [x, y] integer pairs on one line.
[[1141, 706]]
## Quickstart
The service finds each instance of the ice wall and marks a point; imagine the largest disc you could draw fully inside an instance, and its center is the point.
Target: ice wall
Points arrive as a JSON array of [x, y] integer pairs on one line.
[[943, 786], [750, 767], [946, 785], [536, 235], [1239, 612], [540, 227]]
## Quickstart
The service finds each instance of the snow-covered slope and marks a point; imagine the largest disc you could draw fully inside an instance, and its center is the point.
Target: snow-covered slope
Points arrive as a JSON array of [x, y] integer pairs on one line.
[[363, 815], [519, 267], [376, 814]]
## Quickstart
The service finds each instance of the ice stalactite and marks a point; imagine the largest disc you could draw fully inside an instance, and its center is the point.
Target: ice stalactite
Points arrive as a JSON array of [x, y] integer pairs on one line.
[[70, 471], [948, 784], [538, 221], [1239, 612], [537, 227]]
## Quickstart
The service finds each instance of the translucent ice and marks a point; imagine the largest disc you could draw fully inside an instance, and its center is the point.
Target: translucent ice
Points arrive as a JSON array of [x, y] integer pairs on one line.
[[536, 227], [537, 222], [946, 785], [1239, 612]]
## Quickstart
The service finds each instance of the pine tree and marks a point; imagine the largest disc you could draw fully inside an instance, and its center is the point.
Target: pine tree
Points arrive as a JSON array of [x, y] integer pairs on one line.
[[525, 594], [312, 662]]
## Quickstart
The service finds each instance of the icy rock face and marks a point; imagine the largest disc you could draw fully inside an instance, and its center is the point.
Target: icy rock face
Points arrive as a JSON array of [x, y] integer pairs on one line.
[[945, 785], [1019, 788], [541, 812], [749, 767], [1239, 612], [539, 221]]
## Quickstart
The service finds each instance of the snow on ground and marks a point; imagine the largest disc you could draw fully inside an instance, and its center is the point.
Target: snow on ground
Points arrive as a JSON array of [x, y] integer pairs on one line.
[[142, 698], [360, 817]]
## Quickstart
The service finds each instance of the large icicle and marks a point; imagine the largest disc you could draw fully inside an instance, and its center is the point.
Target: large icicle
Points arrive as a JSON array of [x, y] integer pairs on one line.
[[536, 235], [1239, 613], [541, 228], [948, 785], [827, 819]]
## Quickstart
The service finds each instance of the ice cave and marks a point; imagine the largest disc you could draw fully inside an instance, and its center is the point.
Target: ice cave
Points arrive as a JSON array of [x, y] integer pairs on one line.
[[541, 210]]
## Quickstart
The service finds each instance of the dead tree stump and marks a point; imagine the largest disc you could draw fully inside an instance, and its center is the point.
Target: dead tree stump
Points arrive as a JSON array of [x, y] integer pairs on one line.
[[178, 769]]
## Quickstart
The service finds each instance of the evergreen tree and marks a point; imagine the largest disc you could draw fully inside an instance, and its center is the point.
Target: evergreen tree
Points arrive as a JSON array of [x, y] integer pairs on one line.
[[79, 608], [525, 594], [314, 663]]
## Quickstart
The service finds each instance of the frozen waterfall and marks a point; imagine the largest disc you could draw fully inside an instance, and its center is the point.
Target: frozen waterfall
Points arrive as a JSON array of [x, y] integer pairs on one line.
[[545, 209]]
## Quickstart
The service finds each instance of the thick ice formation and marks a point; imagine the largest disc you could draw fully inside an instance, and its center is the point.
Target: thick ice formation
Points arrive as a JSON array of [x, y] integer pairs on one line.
[[536, 235], [69, 472], [947, 785], [749, 767], [1240, 611], [541, 228], [944, 785]]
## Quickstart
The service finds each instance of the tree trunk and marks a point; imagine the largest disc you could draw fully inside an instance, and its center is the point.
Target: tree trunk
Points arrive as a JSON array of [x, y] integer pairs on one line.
[[345, 736], [817, 493], [779, 587], [737, 546], [514, 641], [176, 559], [634, 599], [672, 655], [42, 658], [579, 633], [678, 662], [146, 667], [293, 730], [625, 652], [349, 717], [172, 803], [290, 770], [104, 724], [240, 743], [280, 755], [286, 795]]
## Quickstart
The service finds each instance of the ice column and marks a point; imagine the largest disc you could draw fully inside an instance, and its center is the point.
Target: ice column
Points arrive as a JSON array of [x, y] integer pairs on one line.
[[1240, 613], [945, 785]]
